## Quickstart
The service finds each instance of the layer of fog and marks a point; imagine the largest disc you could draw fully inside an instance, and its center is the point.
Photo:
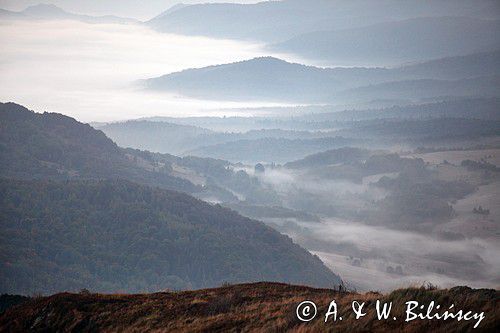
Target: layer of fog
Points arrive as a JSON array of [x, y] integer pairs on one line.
[[362, 255], [367, 256], [285, 181], [87, 70]]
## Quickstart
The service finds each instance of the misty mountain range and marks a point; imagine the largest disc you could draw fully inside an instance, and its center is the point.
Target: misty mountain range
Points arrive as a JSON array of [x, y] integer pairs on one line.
[[52, 12], [338, 31], [273, 21], [162, 136], [283, 138], [397, 42], [449, 49], [327, 117], [124, 235], [276, 80]]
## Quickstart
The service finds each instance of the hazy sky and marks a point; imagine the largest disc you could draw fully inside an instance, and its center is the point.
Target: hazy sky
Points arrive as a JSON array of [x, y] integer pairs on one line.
[[139, 9]]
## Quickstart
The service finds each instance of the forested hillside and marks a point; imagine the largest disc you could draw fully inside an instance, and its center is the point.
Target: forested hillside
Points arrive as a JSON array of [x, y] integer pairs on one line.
[[51, 145], [117, 236]]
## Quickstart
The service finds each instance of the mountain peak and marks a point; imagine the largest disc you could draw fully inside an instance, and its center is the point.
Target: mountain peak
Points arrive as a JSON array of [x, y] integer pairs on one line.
[[266, 61], [268, 58], [44, 8]]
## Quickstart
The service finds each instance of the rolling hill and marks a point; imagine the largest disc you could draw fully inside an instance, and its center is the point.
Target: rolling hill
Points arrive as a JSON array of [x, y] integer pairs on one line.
[[321, 117], [453, 68], [397, 42], [278, 150], [52, 12], [171, 138], [264, 78], [161, 137], [424, 130], [272, 79], [273, 21], [269, 20], [333, 156], [56, 147], [471, 108], [53, 146], [424, 89]]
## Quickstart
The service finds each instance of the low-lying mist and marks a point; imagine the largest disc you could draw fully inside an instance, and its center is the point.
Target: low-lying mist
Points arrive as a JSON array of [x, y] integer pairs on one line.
[[422, 258], [377, 256]]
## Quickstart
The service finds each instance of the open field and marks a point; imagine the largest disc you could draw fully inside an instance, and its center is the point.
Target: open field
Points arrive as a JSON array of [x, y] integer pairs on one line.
[[457, 156]]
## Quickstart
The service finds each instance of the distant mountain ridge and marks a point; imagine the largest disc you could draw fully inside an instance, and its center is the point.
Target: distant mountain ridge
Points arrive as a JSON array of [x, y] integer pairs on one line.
[[418, 89], [272, 79], [321, 117], [405, 41], [52, 12], [471, 108], [311, 128], [334, 156], [259, 78], [278, 150], [154, 136], [274, 21], [171, 138]]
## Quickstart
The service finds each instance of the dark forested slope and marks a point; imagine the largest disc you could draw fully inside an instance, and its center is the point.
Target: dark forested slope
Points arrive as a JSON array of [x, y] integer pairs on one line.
[[113, 236], [51, 145]]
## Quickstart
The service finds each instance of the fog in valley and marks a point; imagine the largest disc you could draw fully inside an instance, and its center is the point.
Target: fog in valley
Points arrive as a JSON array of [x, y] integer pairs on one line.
[[377, 257]]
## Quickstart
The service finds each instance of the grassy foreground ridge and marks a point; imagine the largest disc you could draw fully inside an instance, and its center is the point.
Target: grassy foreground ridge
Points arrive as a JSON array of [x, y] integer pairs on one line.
[[263, 306]]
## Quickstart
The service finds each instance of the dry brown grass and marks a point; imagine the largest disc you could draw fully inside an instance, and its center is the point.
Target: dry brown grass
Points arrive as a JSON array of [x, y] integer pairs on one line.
[[258, 307]]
